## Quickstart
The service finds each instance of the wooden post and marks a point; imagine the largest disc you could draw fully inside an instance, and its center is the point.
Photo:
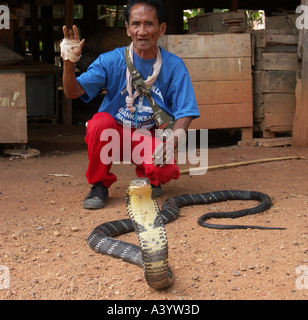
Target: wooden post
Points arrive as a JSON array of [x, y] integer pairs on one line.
[[35, 38], [300, 121], [234, 5], [67, 103], [69, 13], [47, 35], [175, 16], [90, 17]]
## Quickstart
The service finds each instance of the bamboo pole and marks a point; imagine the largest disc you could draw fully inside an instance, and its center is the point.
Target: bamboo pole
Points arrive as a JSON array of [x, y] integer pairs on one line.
[[238, 164]]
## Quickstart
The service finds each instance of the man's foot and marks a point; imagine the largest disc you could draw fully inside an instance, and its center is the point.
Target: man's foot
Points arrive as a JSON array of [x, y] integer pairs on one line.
[[97, 197], [157, 190]]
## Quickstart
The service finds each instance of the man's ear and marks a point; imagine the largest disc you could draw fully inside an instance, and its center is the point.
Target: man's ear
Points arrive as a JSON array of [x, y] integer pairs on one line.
[[127, 29], [163, 29]]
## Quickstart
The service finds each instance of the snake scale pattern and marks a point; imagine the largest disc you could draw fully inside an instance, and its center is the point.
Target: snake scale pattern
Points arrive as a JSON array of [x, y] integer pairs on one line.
[[148, 222]]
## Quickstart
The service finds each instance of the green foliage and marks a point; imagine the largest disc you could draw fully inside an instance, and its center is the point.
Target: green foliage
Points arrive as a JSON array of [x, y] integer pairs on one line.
[[254, 17], [190, 14], [78, 11]]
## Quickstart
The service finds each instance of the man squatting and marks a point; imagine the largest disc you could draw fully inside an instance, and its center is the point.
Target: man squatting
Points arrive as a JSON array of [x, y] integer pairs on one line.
[[162, 71]]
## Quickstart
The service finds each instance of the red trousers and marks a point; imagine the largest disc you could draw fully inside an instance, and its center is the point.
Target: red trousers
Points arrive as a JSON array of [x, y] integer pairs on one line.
[[104, 148]]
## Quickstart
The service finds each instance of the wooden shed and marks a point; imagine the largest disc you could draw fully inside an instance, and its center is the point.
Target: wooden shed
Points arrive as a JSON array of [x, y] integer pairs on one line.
[[243, 80]]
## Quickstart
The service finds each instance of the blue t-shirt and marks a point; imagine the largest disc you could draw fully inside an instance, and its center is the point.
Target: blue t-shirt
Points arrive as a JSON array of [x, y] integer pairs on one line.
[[172, 90]]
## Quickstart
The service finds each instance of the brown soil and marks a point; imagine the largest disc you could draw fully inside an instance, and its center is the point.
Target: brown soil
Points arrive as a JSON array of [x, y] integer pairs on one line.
[[43, 228]]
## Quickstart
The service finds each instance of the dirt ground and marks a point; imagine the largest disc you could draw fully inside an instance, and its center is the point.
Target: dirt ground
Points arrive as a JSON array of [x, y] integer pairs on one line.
[[43, 228]]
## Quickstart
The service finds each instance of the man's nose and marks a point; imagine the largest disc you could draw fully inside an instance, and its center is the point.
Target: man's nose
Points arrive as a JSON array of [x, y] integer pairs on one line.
[[142, 29]]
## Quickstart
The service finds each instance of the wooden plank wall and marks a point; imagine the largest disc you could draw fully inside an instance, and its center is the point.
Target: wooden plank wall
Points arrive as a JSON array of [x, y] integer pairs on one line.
[[274, 76], [220, 69], [13, 113]]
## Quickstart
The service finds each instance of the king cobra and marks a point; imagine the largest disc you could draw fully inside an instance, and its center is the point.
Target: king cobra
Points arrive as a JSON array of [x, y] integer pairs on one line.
[[149, 223]]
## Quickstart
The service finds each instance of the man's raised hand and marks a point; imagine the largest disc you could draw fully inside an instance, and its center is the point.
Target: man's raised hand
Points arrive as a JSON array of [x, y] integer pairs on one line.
[[71, 46]]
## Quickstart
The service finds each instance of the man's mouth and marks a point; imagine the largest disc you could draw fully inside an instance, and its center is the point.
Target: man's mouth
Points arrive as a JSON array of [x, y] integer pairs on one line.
[[142, 41]]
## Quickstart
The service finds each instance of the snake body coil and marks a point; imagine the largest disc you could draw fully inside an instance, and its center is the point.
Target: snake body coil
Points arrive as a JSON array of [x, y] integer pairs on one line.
[[148, 222]]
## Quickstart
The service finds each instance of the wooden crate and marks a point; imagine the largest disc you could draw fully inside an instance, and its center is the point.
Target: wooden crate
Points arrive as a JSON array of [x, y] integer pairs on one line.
[[13, 114], [274, 75], [215, 22], [220, 69]]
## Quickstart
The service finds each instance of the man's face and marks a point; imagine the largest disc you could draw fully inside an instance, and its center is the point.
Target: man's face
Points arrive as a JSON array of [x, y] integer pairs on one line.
[[144, 29]]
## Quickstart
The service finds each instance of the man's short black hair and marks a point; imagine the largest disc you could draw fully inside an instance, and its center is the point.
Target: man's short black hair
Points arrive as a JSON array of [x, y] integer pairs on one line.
[[157, 4]]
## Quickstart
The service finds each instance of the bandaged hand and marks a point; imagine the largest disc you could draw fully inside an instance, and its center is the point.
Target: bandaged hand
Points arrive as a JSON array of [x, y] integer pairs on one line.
[[71, 46], [68, 50]]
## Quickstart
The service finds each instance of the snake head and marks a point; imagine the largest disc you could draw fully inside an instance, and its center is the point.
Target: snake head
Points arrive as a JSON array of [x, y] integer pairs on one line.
[[139, 183], [139, 187]]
